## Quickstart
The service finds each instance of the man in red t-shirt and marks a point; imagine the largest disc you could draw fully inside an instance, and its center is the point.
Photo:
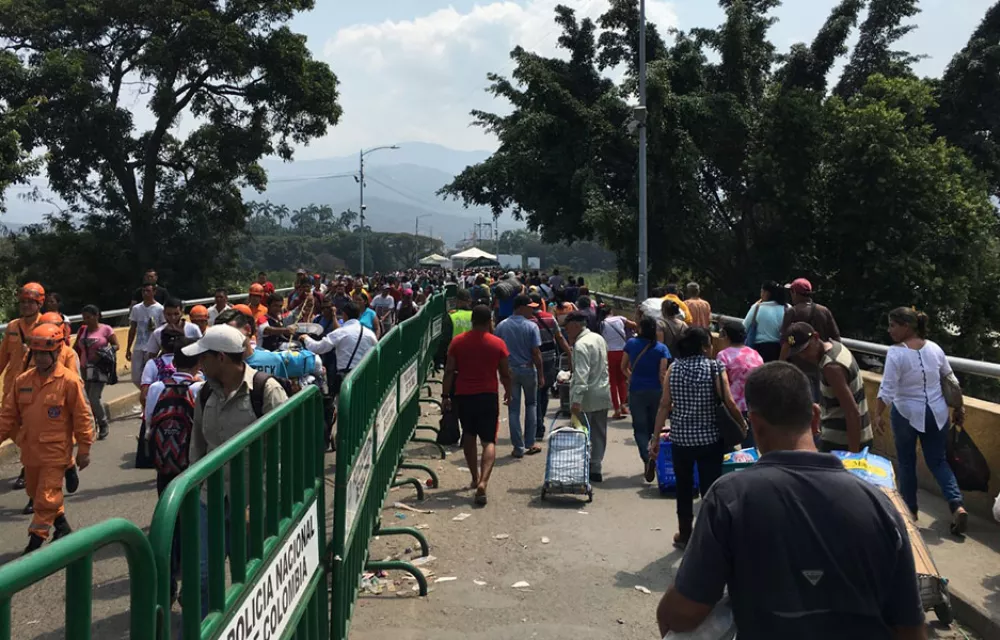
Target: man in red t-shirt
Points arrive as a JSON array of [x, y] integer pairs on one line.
[[474, 359]]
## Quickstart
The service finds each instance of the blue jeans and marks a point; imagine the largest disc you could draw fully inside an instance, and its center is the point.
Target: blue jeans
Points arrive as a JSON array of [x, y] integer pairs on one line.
[[549, 368], [933, 442], [644, 404], [524, 382], [203, 534]]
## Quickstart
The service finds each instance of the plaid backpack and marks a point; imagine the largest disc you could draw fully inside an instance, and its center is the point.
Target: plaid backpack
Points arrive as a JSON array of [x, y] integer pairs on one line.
[[172, 422]]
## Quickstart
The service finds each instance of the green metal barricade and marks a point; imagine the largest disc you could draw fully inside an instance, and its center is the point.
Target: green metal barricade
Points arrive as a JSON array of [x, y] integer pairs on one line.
[[377, 418], [271, 524], [75, 553]]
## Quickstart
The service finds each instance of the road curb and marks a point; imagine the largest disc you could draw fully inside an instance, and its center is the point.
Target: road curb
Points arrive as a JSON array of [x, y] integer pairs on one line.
[[117, 409], [974, 616]]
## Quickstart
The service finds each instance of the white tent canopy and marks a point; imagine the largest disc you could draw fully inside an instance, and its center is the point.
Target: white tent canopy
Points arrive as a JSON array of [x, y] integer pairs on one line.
[[472, 254], [433, 260]]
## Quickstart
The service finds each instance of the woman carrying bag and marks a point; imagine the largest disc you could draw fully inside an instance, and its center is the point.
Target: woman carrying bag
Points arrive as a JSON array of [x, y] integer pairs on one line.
[[644, 367], [913, 384], [763, 322], [692, 391]]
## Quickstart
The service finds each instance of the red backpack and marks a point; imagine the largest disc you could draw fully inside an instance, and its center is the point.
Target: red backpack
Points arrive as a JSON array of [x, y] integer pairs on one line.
[[172, 423]]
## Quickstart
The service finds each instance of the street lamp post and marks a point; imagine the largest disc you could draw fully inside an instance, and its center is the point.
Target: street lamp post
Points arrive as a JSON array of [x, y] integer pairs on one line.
[[643, 231], [361, 184], [416, 223]]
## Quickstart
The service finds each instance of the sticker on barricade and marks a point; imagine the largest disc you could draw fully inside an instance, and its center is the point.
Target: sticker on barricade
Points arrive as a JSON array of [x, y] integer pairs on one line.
[[436, 327], [408, 382], [357, 484], [386, 417], [270, 605]]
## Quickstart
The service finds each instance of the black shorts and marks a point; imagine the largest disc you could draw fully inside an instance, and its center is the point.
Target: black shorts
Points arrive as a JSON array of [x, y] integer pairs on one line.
[[479, 415]]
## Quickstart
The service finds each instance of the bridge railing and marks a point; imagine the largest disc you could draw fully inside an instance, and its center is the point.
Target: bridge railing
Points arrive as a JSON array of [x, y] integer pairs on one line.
[[269, 520], [75, 554], [377, 417], [960, 365]]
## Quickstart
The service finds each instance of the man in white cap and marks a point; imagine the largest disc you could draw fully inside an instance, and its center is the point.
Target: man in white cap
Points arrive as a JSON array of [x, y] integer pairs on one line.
[[234, 397]]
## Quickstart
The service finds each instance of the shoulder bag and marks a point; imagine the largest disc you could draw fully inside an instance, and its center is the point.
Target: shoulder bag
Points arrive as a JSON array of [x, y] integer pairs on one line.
[[752, 331], [731, 432]]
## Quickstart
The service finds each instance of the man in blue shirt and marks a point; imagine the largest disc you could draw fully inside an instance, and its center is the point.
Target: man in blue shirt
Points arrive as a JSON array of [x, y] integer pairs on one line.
[[523, 339]]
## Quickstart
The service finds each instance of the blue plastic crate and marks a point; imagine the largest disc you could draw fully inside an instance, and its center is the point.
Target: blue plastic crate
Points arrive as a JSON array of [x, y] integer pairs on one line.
[[665, 477]]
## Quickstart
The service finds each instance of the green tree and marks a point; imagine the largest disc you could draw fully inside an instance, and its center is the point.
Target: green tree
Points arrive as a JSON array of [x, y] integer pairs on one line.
[[16, 163], [152, 195], [755, 172]]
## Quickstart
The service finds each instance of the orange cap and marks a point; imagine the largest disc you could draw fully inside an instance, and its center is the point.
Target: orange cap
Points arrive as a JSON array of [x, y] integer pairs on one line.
[[33, 291], [256, 289], [46, 337], [199, 312], [244, 309]]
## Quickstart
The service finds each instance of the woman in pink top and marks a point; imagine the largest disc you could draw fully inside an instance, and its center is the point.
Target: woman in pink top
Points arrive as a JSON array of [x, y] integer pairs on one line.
[[739, 360], [90, 340]]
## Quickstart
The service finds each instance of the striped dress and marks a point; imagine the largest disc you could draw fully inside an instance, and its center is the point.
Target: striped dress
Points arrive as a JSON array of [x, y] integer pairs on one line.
[[833, 425]]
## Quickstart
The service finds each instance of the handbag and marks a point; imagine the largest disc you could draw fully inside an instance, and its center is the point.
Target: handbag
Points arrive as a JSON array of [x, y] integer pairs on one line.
[[967, 462], [449, 434], [952, 392], [730, 431], [751, 338]]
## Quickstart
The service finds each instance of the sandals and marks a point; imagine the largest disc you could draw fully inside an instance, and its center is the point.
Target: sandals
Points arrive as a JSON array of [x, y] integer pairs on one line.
[[650, 473], [681, 542], [480, 498], [533, 450], [959, 521]]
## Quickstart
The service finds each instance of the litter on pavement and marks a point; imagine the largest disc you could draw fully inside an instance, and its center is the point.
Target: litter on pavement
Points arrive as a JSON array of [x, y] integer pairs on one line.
[[520, 585], [461, 516], [501, 536], [642, 589]]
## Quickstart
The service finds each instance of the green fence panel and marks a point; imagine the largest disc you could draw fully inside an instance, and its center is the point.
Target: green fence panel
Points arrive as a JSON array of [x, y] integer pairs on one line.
[[272, 520], [75, 553]]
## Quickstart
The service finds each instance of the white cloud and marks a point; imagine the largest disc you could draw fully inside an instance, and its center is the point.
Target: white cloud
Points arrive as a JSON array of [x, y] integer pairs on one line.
[[418, 79]]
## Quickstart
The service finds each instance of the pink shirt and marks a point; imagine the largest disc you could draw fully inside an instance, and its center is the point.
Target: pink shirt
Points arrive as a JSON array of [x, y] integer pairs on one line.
[[739, 362], [87, 343]]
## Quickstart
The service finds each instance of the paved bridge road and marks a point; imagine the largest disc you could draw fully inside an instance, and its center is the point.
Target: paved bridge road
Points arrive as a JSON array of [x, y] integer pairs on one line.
[[582, 583]]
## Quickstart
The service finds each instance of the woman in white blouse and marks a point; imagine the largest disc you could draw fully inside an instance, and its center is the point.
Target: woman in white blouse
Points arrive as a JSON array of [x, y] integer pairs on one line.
[[911, 385]]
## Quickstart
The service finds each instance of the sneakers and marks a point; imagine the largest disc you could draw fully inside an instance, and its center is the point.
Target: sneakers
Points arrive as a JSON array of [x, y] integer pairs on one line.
[[72, 479], [35, 542], [62, 528], [29, 508], [596, 477], [650, 473], [959, 521], [19, 483], [102, 431]]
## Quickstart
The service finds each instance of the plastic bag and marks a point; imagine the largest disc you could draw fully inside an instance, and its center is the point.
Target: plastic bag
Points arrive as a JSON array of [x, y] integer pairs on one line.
[[652, 308], [873, 469], [449, 432], [719, 625], [967, 461], [996, 509]]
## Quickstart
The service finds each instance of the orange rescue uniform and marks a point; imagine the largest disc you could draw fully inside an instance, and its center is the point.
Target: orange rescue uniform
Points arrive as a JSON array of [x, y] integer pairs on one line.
[[14, 350], [43, 415]]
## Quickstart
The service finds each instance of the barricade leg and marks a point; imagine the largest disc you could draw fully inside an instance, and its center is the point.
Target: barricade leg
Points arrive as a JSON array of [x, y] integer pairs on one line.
[[397, 565], [433, 401], [422, 467], [416, 483], [425, 548], [444, 454]]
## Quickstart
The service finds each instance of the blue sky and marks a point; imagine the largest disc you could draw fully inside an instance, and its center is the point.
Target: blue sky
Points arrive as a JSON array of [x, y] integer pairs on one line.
[[413, 69]]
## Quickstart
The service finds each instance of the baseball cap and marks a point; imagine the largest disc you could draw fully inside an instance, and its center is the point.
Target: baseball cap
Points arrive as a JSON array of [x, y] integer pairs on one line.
[[300, 272], [510, 276], [536, 300], [523, 300], [801, 286], [221, 338], [407, 292], [797, 336]]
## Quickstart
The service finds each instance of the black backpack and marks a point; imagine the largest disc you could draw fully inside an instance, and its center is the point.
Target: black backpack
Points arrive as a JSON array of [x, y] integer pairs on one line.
[[256, 391]]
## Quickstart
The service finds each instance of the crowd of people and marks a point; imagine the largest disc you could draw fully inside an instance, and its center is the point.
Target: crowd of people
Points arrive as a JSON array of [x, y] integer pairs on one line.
[[206, 377]]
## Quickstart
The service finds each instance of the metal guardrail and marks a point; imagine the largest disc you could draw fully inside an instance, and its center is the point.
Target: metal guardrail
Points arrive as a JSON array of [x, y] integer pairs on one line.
[[118, 313], [959, 365]]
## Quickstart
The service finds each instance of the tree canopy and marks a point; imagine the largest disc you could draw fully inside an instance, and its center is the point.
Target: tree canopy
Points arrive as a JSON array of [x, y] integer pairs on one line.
[[876, 185], [150, 118]]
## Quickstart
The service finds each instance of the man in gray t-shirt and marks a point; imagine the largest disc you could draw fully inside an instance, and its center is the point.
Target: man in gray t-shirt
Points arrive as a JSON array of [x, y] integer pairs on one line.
[[806, 549]]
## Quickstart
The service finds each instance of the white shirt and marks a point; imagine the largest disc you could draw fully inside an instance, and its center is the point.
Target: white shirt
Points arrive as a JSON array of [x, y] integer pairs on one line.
[[383, 303], [149, 370], [613, 331], [213, 313], [154, 344], [912, 381], [342, 341], [146, 319], [155, 389]]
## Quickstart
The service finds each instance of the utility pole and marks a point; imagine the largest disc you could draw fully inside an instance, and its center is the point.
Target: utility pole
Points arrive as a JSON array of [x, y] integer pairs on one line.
[[643, 230], [416, 223], [361, 198]]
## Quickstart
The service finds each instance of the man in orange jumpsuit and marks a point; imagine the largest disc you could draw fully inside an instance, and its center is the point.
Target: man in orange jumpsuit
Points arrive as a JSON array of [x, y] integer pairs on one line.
[[43, 412], [14, 347], [68, 358]]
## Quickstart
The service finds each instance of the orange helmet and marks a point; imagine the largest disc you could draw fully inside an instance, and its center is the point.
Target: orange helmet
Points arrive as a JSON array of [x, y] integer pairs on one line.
[[34, 292], [51, 317], [199, 312], [244, 309], [46, 337], [256, 289]]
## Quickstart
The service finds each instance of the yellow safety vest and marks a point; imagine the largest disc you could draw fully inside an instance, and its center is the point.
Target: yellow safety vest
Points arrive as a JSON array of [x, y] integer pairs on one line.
[[461, 321]]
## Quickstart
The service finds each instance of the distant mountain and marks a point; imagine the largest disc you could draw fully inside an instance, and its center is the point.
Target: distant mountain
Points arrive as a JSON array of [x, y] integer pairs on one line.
[[401, 185]]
